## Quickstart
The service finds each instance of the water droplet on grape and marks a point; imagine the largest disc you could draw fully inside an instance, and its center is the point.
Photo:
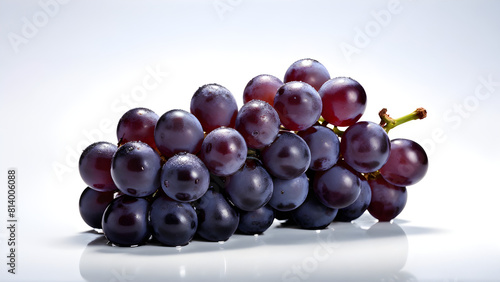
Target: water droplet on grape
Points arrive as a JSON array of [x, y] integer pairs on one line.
[[165, 183], [196, 181]]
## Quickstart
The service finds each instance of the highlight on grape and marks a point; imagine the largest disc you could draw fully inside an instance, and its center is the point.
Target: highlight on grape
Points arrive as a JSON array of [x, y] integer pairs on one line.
[[296, 152]]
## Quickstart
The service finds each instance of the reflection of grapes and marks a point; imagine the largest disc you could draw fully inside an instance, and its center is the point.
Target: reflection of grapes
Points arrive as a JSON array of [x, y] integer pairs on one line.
[[215, 169]]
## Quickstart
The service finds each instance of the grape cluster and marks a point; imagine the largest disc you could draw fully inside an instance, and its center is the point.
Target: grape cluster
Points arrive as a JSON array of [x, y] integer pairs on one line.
[[217, 169]]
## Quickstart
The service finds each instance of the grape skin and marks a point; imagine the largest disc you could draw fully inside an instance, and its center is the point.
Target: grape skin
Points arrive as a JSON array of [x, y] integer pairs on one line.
[[358, 207], [407, 163], [92, 204], [324, 146], [94, 166], [258, 123], [289, 194], [309, 71], [257, 221], [137, 124], [387, 200], [262, 87], [312, 214], [336, 187]]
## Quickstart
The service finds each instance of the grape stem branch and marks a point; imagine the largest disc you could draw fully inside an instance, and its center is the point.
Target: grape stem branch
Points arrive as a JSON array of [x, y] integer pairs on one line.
[[389, 123]]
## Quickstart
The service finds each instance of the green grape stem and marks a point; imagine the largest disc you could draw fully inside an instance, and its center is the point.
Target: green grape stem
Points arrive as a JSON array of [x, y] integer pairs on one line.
[[389, 123]]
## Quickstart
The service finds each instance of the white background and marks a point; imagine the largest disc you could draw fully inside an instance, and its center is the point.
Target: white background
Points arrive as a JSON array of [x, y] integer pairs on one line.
[[70, 69]]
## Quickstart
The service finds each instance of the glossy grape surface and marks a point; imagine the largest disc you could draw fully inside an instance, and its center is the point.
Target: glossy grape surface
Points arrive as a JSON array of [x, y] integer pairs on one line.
[[185, 178], [135, 169], [309, 71], [125, 221], [172, 223], [407, 163], [95, 164], [92, 205], [251, 187], [257, 221], [217, 219], [324, 146], [298, 105], [344, 101], [312, 214], [365, 146], [258, 123], [262, 87], [287, 157], [178, 131], [337, 187], [387, 200], [214, 106], [356, 209], [137, 124], [289, 194]]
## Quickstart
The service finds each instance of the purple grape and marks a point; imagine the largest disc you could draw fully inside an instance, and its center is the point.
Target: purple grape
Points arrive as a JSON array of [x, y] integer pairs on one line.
[[312, 214], [178, 131], [257, 221], [135, 169], [184, 177], [365, 146], [309, 71], [223, 151], [214, 106], [324, 145], [217, 219], [125, 221], [259, 123], [137, 124], [251, 187], [262, 87], [289, 194], [336, 187], [407, 163], [172, 223], [298, 105], [95, 164], [287, 157], [387, 200], [344, 101], [356, 209], [92, 205]]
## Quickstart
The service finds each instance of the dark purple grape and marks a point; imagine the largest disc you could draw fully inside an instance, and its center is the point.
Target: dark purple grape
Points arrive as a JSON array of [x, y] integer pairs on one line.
[[337, 187], [259, 123], [298, 105], [214, 106], [356, 209], [257, 221], [407, 163], [312, 214], [217, 219], [289, 194], [365, 146], [309, 71], [184, 177], [137, 124], [95, 166], [178, 131], [324, 146], [287, 157], [172, 223], [387, 200], [251, 187], [223, 151], [262, 87], [136, 169], [344, 101], [92, 205], [125, 221]]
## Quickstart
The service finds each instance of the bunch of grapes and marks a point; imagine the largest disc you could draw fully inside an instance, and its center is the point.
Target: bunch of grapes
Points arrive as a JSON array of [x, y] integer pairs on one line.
[[217, 169]]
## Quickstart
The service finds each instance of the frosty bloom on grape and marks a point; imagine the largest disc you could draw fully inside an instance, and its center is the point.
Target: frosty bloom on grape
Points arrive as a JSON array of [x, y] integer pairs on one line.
[[153, 78], [363, 36], [454, 116], [320, 253], [222, 7], [31, 26]]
